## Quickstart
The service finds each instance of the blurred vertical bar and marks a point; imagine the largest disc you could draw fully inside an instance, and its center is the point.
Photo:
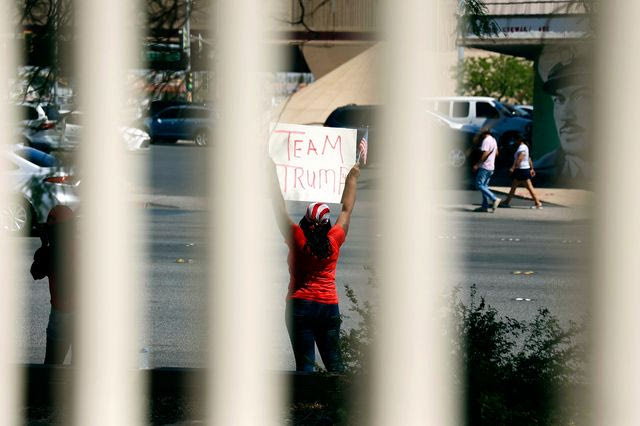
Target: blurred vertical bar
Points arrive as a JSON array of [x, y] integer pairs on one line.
[[241, 390], [412, 384], [616, 289], [11, 300], [109, 310]]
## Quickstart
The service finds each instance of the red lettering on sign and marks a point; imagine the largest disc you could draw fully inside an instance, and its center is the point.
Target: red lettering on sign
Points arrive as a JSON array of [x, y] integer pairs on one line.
[[316, 179], [325, 173], [338, 142], [343, 177], [289, 132], [296, 148], [311, 183], [299, 171], [311, 147]]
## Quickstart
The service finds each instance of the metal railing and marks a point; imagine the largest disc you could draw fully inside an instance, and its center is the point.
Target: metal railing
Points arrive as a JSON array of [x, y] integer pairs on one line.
[[412, 380]]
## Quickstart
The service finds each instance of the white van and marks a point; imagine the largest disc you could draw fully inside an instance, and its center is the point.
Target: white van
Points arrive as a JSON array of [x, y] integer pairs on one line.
[[468, 109]]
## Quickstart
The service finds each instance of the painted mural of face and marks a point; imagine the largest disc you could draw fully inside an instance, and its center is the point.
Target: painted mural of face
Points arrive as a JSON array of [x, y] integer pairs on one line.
[[572, 113]]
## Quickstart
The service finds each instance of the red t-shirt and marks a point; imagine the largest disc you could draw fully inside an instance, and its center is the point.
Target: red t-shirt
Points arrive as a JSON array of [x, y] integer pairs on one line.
[[312, 278]]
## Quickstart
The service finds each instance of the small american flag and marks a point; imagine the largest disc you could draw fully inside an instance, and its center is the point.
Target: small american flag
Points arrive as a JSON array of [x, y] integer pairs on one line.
[[362, 148]]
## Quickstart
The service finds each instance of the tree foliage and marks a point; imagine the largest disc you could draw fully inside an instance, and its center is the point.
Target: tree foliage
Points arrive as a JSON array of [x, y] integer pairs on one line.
[[505, 78], [473, 19]]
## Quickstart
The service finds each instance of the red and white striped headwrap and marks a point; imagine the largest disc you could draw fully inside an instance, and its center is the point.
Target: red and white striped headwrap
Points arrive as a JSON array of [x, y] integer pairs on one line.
[[317, 212]]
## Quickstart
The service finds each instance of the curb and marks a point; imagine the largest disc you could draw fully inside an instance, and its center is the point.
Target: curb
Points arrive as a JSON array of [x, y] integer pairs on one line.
[[171, 202]]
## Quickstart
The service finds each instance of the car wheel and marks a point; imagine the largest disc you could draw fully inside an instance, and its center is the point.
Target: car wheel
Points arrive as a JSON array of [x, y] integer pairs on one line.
[[456, 157], [201, 139], [17, 218]]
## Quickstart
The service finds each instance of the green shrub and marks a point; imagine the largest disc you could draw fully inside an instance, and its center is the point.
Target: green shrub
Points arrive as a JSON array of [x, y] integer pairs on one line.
[[513, 372]]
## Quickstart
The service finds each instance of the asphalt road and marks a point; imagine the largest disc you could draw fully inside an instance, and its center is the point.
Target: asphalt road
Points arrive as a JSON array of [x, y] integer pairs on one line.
[[520, 260]]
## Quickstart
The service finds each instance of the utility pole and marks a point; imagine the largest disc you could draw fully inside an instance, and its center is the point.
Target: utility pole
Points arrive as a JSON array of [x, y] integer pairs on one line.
[[186, 45], [461, 36]]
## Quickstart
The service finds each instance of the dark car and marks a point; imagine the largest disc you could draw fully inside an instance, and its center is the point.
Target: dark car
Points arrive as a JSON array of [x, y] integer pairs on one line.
[[182, 121], [363, 118], [157, 106], [524, 111]]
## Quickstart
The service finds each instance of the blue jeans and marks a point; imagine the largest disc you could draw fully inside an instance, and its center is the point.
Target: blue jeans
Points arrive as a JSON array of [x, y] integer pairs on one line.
[[312, 322], [482, 184]]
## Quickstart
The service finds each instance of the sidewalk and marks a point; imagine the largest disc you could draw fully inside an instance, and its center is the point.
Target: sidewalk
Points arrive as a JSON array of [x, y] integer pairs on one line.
[[556, 196], [171, 201], [559, 197]]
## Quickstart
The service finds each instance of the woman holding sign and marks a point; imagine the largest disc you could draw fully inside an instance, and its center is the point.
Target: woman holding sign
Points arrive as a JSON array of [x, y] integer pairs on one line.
[[312, 314]]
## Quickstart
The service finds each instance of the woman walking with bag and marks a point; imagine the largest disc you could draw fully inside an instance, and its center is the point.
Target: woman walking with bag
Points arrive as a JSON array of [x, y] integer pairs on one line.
[[521, 172]]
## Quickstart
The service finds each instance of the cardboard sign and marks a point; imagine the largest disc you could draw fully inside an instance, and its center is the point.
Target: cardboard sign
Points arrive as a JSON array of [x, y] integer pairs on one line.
[[312, 162]]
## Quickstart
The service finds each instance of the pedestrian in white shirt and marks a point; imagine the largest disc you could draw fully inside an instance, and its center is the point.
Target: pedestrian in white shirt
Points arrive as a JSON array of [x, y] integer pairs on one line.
[[484, 169], [521, 173]]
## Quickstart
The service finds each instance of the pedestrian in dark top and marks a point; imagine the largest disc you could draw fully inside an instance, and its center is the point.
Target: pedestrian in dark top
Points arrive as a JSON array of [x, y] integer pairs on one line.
[[312, 313], [55, 260], [521, 173]]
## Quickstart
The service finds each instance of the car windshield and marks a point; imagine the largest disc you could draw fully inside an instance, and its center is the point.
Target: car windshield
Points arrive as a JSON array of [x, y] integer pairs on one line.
[[36, 157], [195, 113], [504, 108]]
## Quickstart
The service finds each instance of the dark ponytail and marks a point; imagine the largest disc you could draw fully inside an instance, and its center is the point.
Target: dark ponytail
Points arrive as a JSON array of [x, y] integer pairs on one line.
[[317, 241]]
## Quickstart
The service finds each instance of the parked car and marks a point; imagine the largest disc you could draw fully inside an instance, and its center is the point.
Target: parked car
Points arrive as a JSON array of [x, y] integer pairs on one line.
[[459, 137], [39, 183], [156, 106], [30, 115], [136, 140], [35, 129], [133, 138], [488, 113], [184, 121], [525, 111]]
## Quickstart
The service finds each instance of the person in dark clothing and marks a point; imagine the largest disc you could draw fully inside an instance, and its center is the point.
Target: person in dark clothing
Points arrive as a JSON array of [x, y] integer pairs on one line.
[[55, 260]]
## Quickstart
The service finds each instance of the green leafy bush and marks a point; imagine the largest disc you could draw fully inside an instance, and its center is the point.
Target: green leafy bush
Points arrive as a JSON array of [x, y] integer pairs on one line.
[[517, 372], [513, 372]]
